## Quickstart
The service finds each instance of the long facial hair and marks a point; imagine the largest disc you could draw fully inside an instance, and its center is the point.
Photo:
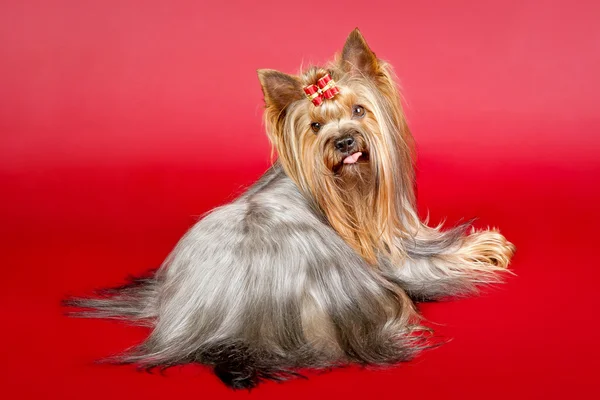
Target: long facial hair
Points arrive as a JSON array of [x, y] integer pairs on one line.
[[371, 203]]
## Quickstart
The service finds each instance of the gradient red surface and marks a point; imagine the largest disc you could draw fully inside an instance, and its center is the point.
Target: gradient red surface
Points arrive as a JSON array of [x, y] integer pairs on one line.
[[122, 121]]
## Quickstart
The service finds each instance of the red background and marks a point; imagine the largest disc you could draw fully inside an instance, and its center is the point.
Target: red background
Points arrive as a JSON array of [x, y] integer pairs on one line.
[[122, 121]]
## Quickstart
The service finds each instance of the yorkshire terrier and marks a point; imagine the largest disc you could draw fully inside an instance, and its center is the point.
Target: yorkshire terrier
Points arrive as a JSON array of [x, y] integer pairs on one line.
[[318, 263]]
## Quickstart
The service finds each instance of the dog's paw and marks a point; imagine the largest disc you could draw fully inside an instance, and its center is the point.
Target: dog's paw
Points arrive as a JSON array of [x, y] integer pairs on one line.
[[489, 247]]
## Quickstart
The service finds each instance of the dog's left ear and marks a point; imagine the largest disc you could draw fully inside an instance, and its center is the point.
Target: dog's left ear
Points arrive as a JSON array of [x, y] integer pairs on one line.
[[357, 56], [280, 90]]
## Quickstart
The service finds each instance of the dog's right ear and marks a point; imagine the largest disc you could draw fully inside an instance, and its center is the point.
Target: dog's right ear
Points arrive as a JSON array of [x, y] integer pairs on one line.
[[357, 57], [279, 89]]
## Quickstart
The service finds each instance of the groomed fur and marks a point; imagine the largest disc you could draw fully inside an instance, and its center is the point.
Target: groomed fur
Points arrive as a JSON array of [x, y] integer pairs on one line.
[[261, 287], [316, 264]]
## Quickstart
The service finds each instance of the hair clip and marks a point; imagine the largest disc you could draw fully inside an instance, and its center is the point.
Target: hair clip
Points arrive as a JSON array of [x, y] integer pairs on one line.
[[324, 89]]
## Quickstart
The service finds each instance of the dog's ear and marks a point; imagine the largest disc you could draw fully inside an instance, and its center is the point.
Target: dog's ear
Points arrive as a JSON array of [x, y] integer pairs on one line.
[[357, 56], [279, 89]]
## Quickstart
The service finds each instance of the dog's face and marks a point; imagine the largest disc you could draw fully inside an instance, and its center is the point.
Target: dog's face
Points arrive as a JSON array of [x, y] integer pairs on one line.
[[336, 135], [352, 153]]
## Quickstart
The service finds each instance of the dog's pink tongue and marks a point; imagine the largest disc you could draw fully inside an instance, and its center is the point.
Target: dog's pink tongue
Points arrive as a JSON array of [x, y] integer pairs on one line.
[[353, 158]]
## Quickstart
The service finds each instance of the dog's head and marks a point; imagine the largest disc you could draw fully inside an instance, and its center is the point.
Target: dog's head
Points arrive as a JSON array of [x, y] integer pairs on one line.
[[348, 149]]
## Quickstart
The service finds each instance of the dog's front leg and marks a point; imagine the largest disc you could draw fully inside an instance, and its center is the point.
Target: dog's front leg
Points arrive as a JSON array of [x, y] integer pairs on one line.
[[452, 263]]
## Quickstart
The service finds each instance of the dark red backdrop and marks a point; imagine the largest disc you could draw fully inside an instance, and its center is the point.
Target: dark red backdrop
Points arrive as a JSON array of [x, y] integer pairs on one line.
[[121, 121]]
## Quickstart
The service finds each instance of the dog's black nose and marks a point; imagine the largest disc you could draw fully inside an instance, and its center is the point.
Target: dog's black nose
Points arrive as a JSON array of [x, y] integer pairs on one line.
[[345, 144]]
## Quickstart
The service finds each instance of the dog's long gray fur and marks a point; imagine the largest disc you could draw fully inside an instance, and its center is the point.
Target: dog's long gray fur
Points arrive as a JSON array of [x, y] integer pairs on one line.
[[263, 286]]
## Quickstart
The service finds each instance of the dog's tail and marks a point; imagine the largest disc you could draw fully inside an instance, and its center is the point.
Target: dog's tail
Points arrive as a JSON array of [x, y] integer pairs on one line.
[[135, 301]]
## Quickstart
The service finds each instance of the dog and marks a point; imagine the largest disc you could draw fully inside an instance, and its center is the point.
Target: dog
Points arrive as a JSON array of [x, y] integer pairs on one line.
[[319, 263]]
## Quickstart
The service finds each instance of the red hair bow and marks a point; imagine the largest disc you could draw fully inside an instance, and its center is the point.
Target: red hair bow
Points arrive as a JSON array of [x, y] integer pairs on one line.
[[324, 89]]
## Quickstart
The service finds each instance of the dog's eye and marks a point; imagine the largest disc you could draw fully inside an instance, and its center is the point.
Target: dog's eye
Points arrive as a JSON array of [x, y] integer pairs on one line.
[[358, 111], [315, 126]]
